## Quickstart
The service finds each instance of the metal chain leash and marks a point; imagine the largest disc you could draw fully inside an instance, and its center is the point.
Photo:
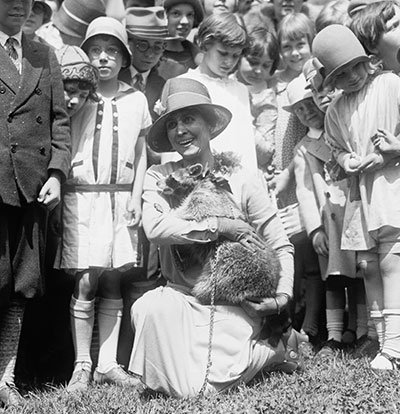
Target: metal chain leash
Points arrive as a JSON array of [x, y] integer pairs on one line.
[[212, 315]]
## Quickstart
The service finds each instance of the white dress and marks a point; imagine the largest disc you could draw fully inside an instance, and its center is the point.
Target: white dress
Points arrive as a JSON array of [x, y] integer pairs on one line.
[[104, 136]]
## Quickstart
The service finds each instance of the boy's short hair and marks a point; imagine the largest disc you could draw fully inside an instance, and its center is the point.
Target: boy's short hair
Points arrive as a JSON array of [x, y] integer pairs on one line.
[[294, 26], [261, 42], [370, 23], [224, 28], [334, 12]]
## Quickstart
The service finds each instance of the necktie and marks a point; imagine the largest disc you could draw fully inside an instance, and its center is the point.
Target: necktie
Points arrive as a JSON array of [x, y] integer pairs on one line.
[[139, 84], [12, 51]]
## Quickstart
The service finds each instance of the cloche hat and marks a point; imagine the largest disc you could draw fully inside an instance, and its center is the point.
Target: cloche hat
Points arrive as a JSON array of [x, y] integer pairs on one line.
[[183, 93], [297, 91], [336, 47], [147, 22], [111, 27], [42, 6], [75, 65]]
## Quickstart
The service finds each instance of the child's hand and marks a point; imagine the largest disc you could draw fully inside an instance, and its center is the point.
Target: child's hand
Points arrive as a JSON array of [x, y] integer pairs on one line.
[[385, 141], [260, 307], [372, 162], [351, 164], [134, 213], [50, 194], [320, 242]]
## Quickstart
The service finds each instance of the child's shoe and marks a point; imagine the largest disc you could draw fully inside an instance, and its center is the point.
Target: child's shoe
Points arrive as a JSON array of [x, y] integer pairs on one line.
[[10, 396], [80, 379], [366, 346], [384, 361], [329, 349], [117, 376], [349, 337]]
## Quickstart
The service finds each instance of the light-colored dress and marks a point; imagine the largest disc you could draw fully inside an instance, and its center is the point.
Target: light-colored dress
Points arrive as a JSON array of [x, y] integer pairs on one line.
[[351, 121], [170, 351], [239, 134], [322, 201], [104, 136]]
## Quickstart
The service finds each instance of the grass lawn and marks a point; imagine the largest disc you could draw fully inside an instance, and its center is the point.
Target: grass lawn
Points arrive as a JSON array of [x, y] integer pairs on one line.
[[339, 385]]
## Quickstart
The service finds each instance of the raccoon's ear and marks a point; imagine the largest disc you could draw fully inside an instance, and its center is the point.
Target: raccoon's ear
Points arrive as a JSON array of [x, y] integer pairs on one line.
[[161, 184], [195, 170]]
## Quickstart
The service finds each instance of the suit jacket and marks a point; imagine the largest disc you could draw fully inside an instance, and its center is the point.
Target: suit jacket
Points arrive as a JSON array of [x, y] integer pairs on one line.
[[34, 125], [154, 86]]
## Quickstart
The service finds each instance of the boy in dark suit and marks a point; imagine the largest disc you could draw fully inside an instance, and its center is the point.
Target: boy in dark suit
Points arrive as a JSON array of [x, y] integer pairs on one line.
[[34, 160]]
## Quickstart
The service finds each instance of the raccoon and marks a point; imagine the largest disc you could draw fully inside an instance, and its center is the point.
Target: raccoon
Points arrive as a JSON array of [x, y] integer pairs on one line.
[[195, 194]]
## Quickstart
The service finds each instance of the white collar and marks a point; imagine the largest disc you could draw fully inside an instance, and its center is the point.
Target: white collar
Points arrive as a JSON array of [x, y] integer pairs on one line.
[[315, 133], [4, 37], [134, 72]]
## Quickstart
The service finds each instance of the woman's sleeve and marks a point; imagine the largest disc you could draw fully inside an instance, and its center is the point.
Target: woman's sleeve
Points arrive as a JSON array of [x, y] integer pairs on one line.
[[162, 225], [262, 214]]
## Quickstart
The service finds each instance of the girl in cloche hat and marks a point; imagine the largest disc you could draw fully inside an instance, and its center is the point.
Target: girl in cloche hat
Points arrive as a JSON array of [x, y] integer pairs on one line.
[[366, 110], [102, 203]]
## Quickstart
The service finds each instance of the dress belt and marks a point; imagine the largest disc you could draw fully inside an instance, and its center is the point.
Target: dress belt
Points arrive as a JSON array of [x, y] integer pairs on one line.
[[96, 188]]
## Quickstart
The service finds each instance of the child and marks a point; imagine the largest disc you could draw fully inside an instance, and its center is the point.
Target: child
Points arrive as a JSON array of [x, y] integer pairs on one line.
[[102, 203], [377, 28], [295, 34], [321, 203], [35, 160], [256, 71], [223, 40], [369, 103]]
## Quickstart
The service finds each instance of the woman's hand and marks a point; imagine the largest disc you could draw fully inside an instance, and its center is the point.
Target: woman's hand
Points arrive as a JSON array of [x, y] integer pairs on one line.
[[260, 307], [320, 242], [351, 164], [240, 231]]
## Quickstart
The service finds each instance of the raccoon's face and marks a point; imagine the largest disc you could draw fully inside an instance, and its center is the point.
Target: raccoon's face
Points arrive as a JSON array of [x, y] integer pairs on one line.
[[180, 183]]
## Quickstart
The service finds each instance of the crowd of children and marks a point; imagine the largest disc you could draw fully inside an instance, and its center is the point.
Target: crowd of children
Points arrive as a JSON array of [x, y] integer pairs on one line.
[[316, 115]]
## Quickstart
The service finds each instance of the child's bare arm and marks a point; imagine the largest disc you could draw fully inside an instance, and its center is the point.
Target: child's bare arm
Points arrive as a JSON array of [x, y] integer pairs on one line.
[[140, 165]]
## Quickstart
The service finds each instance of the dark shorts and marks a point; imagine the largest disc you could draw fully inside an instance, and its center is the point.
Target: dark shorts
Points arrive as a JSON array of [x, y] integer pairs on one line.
[[22, 250]]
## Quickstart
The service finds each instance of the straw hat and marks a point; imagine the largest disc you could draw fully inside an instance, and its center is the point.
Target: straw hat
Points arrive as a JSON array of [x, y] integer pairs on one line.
[[298, 90], [75, 65], [337, 47], [111, 27], [179, 94], [197, 7], [74, 16], [147, 22]]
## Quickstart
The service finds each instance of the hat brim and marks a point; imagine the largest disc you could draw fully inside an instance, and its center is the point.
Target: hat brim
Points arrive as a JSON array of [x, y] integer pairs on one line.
[[47, 11], [329, 77], [289, 108], [157, 137]]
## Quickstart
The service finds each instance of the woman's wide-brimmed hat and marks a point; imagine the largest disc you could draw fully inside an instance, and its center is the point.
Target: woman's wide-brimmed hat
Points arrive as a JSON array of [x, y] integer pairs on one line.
[[111, 27], [147, 23], [337, 47], [74, 16], [196, 4], [179, 94], [298, 90], [75, 65]]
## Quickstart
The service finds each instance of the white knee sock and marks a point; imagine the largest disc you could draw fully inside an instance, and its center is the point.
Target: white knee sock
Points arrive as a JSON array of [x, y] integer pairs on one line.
[[334, 323], [362, 320], [10, 330], [391, 345], [379, 322], [82, 319], [109, 318]]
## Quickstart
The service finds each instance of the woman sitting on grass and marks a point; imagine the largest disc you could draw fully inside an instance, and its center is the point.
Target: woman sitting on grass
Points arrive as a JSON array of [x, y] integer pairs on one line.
[[183, 347]]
